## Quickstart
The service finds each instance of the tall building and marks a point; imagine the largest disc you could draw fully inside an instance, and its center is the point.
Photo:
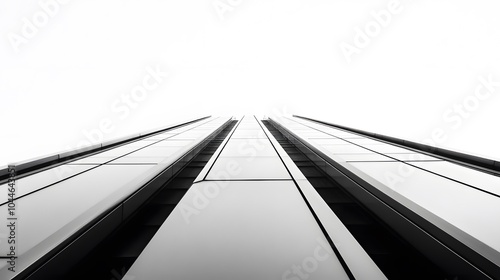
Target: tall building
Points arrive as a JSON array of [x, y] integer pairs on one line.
[[249, 198]]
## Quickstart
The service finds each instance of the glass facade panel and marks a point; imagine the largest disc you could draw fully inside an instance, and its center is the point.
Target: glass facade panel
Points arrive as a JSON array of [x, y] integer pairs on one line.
[[42, 179], [440, 200], [155, 151], [413, 157], [67, 206], [176, 143], [251, 133], [258, 168], [365, 141], [386, 148], [364, 157], [246, 230], [346, 149], [248, 148], [329, 141], [463, 174]]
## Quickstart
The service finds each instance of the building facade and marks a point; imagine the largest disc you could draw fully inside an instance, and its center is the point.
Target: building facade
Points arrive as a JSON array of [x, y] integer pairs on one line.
[[252, 198]]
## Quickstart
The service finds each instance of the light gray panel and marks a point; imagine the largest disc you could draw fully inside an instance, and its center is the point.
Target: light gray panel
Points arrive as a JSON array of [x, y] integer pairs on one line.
[[152, 155], [159, 137], [181, 137], [156, 151], [346, 149], [194, 133], [232, 168], [386, 148], [92, 160], [253, 133], [248, 148], [249, 126], [249, 230], [365, 141], [174, 143], [113, 153], [346, 135], [44, 178], [413, 157], [137, 160], [364, 157], [464, 174], [48, 217], [463, 211], [328, 141], [313, 134]]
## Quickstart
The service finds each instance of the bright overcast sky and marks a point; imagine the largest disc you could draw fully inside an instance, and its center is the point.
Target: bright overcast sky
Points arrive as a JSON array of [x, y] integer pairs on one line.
[[400, 68]]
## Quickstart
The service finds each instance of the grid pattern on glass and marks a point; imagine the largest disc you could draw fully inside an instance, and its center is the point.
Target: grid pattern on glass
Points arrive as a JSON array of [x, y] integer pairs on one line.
[[329, 130], [67, 206], [42, 179], [248, 155], [408, 157], [346, 149], [250, 133], [90, 193], [161, 136], [252, 147], [249, 230], [364, 157], [347, 143], [174, 143], [463, 174], [241, 168], [386, 148], [329, 141], [146, 151], [470, 210], [461, 210], [108, 155]]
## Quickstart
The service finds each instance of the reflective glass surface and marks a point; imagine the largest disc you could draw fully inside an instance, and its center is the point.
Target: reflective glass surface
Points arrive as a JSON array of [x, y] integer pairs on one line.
[[194, 133], [250, 133], [48, 217], [440, 200], [386, 148], [175, 143], [44, 178], [108, 155], [159, 137], [343, 134], [463, 174], [238, 230], [242, 168], [162, 151], [364, 157], [92, 160], [328, 141], [248, 126], [468, 214], [365, 141], [413, 157], [155, 151], [248, 148], [314, 134], [346, 149], [181, 137]]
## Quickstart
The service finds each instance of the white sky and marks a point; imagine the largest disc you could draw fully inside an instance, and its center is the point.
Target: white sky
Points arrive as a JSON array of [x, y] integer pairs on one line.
[[285, 56]]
